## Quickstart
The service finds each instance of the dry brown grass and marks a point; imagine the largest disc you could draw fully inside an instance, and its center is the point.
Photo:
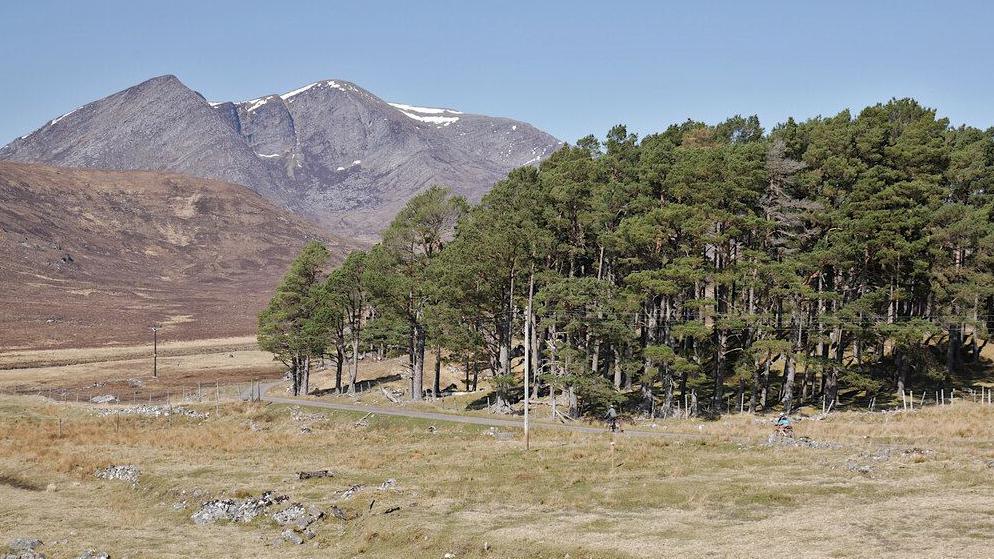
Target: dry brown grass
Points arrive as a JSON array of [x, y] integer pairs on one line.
[[182, 366], [460, 489]]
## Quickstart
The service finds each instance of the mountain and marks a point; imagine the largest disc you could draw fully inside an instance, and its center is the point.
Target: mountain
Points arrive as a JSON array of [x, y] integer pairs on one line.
[[330, 150], [94, 257]]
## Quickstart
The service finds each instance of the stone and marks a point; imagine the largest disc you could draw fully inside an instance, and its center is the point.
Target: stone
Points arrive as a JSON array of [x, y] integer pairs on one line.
[[388, 485], [292, 537], [348, 493], [123, 472], [91, 554], [235, 510], [23, 544], [105, 399]]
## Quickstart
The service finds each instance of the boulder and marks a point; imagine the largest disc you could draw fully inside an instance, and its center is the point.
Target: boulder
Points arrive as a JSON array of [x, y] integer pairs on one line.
[[122, 472], [235, 510]]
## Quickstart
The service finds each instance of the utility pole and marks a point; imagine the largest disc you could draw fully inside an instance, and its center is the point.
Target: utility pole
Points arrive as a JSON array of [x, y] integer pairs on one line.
[[528, 354], [155, 352]]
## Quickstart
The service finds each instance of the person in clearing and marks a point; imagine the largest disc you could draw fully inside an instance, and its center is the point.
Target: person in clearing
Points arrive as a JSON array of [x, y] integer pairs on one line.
[[784, 425], [612, 417]]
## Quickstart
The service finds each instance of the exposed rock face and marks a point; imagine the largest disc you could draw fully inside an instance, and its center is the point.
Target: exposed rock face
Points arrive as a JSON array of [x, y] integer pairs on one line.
[[330, 150], [159, 124]]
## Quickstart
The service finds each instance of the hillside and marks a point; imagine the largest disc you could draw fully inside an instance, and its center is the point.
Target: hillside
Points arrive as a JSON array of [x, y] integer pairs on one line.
[[95, 257], [330, 150]]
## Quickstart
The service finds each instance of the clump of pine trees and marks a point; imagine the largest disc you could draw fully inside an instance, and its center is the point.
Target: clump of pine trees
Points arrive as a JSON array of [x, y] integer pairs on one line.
[[832, 259]]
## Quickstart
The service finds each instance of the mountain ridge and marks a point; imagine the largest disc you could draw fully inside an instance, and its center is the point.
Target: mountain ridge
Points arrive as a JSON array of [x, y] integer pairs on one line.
[[330, 150]]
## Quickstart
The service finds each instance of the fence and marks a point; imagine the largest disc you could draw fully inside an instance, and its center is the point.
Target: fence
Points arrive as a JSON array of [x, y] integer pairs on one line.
[[112, 392]]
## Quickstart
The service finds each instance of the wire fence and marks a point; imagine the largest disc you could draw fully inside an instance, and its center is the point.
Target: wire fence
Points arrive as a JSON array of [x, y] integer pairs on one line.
[[134, 393]]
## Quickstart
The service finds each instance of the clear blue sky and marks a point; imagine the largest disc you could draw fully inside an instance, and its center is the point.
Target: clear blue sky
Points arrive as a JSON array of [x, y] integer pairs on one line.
[[571, 68]]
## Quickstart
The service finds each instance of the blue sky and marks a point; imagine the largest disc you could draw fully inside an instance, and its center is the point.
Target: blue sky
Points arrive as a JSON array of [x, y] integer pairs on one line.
[[571, 68]]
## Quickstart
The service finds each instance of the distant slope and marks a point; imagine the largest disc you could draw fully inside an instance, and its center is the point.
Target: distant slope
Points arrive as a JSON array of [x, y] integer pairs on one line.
[[330, 150], [95, 257]]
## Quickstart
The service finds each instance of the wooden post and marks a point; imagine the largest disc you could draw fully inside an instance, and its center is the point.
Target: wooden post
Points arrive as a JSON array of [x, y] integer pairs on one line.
[[528, 353], [60, 427], [904, 400], [155, 352], [217, 397], [943, 396]]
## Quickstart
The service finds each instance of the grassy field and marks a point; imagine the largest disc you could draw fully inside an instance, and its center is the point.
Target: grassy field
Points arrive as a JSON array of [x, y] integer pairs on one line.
[[126, 371], [885, 485]]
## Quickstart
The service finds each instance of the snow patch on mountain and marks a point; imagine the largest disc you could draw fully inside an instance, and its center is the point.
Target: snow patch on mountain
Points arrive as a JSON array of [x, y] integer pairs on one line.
[[430, 115], [327, 83]]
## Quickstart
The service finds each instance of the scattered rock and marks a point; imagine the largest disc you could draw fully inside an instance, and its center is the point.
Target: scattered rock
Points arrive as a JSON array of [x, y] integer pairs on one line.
[[23, 544], [391, 509], [91, 554], [803, 442], [432, 429], [315, 474], [123, 472], [348, 493], [150, 410], [298, 517], [136, 383], [235, 510], [388, 485], [24, 548], [449, 556], [105, 399]]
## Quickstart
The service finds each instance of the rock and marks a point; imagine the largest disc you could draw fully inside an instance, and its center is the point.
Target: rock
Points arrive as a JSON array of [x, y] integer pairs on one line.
[[348, 493], [292, 537], [136, 383], [449, 556], [298, 517], [23, 544], [148, 410], [315, 474], [123, 472], [105, 399], [235, 510], [24, 548], [388, 485], [91, 554], [337, 513]]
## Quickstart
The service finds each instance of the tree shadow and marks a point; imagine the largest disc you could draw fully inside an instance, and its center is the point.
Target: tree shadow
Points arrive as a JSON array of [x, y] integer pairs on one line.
[[363, 385]]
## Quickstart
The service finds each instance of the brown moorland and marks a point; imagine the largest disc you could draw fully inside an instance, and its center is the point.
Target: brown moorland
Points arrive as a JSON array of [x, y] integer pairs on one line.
[[200, 257]]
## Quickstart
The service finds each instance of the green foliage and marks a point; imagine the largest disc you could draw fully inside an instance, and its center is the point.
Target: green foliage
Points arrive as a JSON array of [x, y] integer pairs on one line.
[[858, 249]]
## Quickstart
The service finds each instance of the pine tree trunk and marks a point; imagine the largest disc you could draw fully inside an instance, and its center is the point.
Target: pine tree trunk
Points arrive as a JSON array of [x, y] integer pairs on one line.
[[721, 340], [418, 374], [437, 387], [339, 365], [307, 375], [354, 369], [902, 372], [617, 369], [952, 350]]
